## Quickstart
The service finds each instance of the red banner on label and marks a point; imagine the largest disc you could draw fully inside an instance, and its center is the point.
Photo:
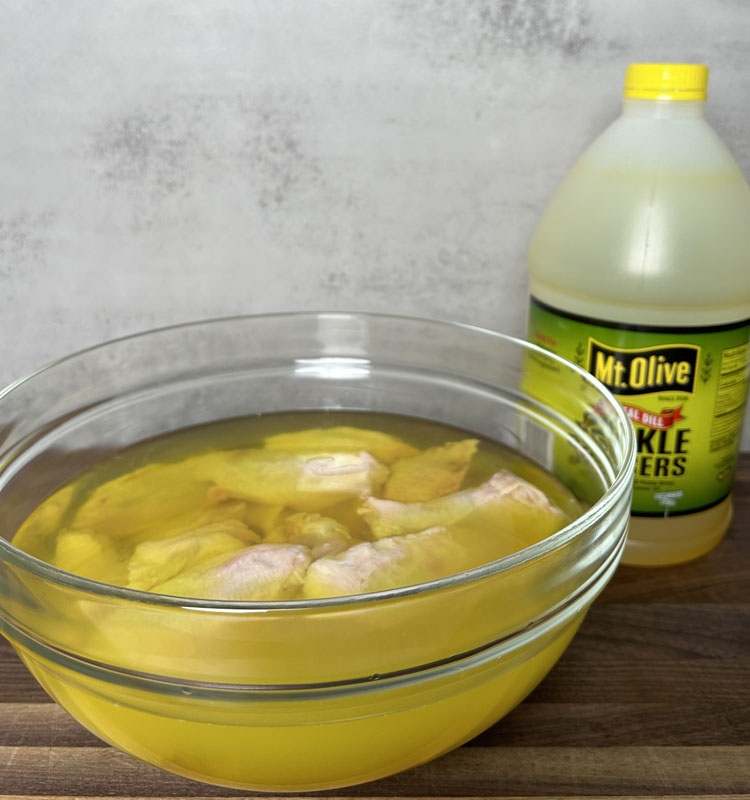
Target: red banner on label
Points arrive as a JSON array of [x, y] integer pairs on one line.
[[652, 419]]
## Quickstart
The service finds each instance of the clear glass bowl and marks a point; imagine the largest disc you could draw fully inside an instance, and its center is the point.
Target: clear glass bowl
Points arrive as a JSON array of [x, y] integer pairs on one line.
[[304, 695]]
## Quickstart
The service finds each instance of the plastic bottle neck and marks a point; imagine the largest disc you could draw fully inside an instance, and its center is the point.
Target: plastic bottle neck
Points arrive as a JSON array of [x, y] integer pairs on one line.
[[663, 109]]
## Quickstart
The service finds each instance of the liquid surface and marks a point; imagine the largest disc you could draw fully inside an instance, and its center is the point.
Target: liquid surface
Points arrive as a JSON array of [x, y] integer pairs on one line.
[[296, 506], [137, 513]]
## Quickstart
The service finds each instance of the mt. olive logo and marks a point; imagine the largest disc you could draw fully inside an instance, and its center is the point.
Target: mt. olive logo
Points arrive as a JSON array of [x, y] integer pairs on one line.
[[645, 370]]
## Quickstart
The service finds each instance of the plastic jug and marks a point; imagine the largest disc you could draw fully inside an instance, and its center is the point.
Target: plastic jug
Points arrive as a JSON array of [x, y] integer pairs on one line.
[[640, 272]]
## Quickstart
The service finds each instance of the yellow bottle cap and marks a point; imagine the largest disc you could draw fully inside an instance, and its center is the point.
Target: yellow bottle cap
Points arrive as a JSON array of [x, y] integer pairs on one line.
[[666, 81]]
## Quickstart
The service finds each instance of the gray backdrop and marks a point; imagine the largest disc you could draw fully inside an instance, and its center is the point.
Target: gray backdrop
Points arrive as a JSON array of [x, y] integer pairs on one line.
[[167, 160]]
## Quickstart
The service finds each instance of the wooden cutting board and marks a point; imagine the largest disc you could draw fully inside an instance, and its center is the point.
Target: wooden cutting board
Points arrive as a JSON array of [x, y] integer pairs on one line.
[[652, 699]]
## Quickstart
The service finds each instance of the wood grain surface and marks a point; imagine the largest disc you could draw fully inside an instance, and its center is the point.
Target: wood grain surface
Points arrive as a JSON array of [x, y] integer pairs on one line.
[[652, 699]]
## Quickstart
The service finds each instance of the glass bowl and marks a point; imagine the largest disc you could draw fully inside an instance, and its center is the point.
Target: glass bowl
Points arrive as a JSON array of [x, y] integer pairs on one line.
[[304, 695]]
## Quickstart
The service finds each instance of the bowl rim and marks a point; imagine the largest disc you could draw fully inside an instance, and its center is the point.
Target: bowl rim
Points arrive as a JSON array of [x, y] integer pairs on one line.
[[593, 514]]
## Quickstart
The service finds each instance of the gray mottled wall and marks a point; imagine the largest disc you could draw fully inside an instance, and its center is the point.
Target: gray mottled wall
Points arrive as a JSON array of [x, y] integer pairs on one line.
[[165, 160]]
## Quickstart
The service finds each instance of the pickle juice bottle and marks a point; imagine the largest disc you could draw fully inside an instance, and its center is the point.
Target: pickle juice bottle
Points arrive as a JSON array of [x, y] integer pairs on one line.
[[640, 273]]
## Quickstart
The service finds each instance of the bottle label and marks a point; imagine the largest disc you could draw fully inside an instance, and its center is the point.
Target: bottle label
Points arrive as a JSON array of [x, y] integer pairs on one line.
[[684, 390]]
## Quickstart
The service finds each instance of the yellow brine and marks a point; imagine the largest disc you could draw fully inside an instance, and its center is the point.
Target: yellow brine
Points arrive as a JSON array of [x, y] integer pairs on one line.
[[284, 509]]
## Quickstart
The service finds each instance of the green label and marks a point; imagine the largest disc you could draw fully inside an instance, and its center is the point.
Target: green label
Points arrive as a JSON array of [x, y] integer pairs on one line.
[[684, 390]]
